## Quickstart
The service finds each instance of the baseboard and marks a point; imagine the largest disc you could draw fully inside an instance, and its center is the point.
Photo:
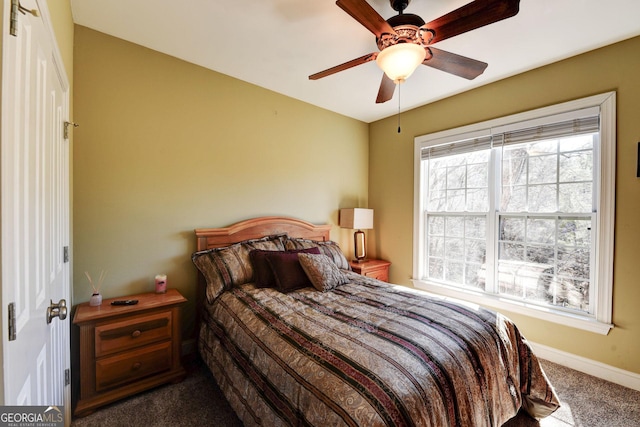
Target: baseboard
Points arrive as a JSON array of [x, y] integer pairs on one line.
[[591, 367], [189, 347]]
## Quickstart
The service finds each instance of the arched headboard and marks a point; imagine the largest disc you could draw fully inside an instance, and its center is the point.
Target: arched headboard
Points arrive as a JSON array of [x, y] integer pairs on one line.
[[208, 238]]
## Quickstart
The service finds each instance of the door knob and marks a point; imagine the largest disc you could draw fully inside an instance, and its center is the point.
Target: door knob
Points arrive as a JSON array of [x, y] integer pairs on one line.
[[57, 310]]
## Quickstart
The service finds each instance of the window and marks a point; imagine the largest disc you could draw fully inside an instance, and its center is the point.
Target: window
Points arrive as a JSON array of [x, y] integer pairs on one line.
[[517, 213]]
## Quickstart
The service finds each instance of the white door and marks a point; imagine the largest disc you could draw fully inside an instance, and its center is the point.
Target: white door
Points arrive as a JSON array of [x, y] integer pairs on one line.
[[34, 184]]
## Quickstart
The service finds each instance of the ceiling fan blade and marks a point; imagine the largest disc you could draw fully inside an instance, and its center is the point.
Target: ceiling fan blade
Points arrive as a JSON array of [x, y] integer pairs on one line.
[[362, 12], [452, 63], [349, 64], [387, 87], [469, 17]]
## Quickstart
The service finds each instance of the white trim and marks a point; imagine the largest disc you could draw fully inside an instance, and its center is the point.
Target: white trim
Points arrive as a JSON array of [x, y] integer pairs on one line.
[[601, 319], [588, 366], [497, 302], [43, 9], [606, 215], [418, 236]]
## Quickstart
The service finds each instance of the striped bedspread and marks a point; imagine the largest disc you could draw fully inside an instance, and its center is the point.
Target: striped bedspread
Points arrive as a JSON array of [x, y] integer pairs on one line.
[[369, 354]]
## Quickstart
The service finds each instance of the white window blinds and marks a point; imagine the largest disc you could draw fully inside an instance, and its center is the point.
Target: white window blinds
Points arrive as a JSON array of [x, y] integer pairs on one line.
[[586, 120], [549, 131], [458, 147]]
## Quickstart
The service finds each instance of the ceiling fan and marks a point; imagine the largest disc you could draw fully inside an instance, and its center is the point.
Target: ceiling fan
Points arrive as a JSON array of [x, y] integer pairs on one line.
[[405, 39]]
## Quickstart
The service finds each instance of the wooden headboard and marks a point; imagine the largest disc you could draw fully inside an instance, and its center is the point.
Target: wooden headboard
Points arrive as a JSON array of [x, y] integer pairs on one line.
[[209, 238]]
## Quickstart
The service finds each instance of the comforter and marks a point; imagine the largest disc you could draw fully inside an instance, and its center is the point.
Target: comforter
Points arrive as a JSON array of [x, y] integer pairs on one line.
[[369, 354]]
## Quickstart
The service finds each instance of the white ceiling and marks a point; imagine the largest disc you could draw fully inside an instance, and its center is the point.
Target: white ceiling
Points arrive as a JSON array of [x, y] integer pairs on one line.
[[277, 44]]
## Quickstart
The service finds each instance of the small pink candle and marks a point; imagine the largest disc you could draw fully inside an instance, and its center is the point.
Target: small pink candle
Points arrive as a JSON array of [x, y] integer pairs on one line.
[[161, 283]]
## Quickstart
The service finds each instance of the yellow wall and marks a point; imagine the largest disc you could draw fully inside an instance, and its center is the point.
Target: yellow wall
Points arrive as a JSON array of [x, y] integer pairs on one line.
[[391, 182], [165, 146]]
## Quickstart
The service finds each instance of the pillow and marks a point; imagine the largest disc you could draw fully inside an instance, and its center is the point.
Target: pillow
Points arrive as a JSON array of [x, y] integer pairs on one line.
[[262, 272], [287, 271], [229, 266], [328, 248], [274, 242], [322, 271]]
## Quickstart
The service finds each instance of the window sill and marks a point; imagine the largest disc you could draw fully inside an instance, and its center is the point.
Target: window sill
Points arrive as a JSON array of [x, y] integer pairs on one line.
[[587, 323]]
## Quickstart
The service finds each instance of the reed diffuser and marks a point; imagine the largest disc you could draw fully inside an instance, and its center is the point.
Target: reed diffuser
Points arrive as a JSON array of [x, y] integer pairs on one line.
[[96, 297]]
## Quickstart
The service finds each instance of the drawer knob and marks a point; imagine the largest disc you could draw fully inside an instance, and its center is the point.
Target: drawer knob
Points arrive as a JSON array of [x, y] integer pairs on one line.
[[136, 366], [136, 333]]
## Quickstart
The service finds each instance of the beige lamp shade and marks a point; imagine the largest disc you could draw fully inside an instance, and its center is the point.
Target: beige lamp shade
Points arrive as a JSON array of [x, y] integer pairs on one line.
[[359, 219], [356, 218]]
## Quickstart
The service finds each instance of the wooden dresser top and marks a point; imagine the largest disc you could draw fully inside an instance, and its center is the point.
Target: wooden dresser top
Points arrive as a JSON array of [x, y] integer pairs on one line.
[[86, 313]]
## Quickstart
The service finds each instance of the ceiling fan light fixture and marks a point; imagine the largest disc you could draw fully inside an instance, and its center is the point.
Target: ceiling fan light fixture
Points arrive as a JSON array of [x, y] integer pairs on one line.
[[400, 60]]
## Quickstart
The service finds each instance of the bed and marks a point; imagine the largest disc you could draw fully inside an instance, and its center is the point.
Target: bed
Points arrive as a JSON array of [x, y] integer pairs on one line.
[[346, 349]]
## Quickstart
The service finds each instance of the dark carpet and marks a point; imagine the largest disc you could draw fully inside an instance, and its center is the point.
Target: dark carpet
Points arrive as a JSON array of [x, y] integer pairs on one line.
[[197, 401]]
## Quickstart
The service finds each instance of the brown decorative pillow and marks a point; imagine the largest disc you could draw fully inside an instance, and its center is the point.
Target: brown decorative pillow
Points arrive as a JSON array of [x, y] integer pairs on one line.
[[274, 242], [287, 271], [322, 271], [328, 248], [262, 273], [226, 267]]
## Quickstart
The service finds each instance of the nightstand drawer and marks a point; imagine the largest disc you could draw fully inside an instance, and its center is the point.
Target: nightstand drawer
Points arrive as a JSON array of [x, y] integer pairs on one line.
[[130, 366], [132, 332], [378, 274], [374, 268]]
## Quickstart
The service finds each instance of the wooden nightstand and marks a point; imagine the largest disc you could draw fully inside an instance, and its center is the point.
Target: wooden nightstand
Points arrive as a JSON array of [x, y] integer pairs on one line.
[[128, 348], [375, 268]]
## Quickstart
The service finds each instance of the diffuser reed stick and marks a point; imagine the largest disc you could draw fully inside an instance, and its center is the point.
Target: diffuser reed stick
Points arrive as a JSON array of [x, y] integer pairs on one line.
[[96, 288]]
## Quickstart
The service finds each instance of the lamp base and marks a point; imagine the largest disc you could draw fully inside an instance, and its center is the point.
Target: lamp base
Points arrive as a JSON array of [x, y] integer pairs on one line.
[[359, 246], [360, 261]]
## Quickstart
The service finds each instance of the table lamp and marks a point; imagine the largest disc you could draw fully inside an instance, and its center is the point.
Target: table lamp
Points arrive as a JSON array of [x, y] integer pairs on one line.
[[358, 219]]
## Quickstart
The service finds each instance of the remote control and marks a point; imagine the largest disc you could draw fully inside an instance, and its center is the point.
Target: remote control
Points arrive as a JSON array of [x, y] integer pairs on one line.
[[125, 302]]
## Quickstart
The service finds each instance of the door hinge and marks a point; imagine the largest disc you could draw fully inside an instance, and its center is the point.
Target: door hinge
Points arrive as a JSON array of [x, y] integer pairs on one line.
[[66, 128], [13, 16], [65, 254], [12, 321], [67, 377]]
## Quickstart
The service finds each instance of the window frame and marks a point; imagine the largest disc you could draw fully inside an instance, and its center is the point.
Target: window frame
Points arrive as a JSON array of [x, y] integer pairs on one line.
[[600, 321]]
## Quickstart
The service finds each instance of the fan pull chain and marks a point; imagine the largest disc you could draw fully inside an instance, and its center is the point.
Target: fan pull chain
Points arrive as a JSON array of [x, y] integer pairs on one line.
[[399, 86]]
